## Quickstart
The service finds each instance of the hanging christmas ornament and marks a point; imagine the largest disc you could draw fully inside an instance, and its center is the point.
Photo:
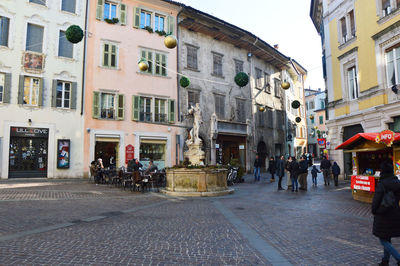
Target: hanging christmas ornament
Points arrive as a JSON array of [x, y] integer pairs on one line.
[[311, 117], [170, 41], [285, 85], [74, 34], [295, 104], [261, 109], [143, 65], [298, 119], [241, 79], [184, 81]]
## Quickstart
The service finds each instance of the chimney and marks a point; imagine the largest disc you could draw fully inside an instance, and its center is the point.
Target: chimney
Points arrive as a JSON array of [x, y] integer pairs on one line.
[[276, 46]]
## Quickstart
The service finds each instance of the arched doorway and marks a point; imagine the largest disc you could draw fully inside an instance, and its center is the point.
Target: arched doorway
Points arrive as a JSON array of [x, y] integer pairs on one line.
[[349, 132], [262, 152]]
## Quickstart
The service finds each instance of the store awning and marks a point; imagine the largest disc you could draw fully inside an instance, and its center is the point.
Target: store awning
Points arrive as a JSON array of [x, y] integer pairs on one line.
[[361, 138]]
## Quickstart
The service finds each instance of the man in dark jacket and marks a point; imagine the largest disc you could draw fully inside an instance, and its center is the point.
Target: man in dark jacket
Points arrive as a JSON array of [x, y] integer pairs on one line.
[[303, 173], [386, 225], [280, 170], [257, 169], [325, 167], [294, 171], [335, 173], [272, 168]]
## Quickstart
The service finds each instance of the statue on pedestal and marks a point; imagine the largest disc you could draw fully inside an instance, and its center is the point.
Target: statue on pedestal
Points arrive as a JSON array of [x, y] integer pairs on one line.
[[195, 154]]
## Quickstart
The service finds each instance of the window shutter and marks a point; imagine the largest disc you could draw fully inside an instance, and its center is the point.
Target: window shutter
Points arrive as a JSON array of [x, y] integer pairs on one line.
[[135, 107], [54, 94], [171, 25], [136, 17], [99, 9], [41, 92], [171, 111], [122, 13], [73, 95], [7, 88], [21, 89], [96, 105], [120, 106]]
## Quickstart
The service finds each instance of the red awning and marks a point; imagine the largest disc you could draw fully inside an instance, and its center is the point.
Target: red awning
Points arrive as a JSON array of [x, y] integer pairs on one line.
[[360, 137]]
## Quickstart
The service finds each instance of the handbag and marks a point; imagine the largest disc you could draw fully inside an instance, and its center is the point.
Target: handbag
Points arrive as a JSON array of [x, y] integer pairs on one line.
[[388, 202]]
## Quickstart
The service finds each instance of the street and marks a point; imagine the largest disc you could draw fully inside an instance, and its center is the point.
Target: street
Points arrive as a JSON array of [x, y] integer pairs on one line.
[[73, 222]]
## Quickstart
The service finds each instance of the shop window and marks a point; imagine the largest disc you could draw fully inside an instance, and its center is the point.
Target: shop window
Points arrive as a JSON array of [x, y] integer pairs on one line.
[[4, 29], [31, 93], [160, 111], [108, 106], [68, 5], [34, 38], [65, 47], [259, 81], [159, 23], [393, 65], [219, 106], [217, 65], [152, 151], [110, 55], [238, 66], [191, 57], [193, 98], [241, 110]]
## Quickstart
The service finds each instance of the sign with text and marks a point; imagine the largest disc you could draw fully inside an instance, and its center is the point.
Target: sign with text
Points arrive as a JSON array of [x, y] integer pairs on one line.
[[386, 136], [129, 153], [29, 132], [363, 182]]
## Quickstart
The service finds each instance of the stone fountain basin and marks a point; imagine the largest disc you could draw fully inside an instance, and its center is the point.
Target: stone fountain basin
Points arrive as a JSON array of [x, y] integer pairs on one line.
[[197, 182]]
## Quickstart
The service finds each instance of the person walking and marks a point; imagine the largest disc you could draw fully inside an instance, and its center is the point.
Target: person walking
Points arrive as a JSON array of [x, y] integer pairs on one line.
[[314, 174], [303, 173], [294, 171], [272, 168], [335, 173], [386, 225], [280, 170], [325, 167], [257, 169]]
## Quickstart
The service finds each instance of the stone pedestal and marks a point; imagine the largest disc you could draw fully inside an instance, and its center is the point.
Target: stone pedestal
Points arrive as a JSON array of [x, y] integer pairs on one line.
[[195, 154]]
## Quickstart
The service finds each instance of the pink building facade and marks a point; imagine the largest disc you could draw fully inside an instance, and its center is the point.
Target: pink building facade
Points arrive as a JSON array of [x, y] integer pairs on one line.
[[123, 105]]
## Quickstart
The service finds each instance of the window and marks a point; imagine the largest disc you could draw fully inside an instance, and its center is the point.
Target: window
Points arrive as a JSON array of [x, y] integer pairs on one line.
[[68, 5], [259, 78], [145, 109], [347, 27], [65, 48], [352, 82], [344, 29], [321, 119], [145, 19], [63, 96], [312, 120], [266, 82], [2, 84], [110, 55], [108, 105], [34, 38], [311, 105], [277, 91], [261, 118], [192, 57], [39, 2], [241, 110], [238, 66], [322, 104], [159, 23], [217, 65], [4, 28], [270, 118], [161, 64], [352, 24], [160, 110], [395, 126], [31, 91], [110, 10], [219, 106], [393, 65], [386, 8], [193, 98]]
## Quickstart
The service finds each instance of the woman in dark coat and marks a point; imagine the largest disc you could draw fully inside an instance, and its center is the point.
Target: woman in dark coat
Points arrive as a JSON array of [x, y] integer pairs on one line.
[[387, 225], [272, 168], [335, 173]]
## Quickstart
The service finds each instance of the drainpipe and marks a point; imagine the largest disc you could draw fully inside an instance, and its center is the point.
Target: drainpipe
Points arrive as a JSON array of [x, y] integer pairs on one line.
[[84, 57], [178, 146]]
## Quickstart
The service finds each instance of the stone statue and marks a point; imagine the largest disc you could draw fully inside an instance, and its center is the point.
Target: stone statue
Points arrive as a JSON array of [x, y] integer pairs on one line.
[[195, 155], [194, 133]]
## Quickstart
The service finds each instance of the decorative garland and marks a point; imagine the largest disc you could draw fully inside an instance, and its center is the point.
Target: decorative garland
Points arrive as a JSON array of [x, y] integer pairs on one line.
[[184, 81], [241, 79], [74, 34]]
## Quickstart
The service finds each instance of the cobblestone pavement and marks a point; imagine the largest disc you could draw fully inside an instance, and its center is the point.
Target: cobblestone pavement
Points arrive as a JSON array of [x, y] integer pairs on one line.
[[73, 222]]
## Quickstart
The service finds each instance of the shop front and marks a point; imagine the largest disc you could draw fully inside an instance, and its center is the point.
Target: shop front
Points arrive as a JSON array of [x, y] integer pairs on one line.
[[153, 149], [107, 148], [231, 147], [28, 152], [367, 152]]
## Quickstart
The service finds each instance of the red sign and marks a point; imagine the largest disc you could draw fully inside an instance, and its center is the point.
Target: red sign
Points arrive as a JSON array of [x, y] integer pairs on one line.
[[386, 136], [322, 142], [363, 182], [129, 153]]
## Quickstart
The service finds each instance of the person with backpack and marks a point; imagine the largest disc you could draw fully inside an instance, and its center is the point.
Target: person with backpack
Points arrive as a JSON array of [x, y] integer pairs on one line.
[[335, 173], [314, 174], [387, 221]]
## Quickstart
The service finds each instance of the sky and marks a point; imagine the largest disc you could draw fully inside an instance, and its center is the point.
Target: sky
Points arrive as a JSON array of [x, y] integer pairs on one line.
[[284, 22]]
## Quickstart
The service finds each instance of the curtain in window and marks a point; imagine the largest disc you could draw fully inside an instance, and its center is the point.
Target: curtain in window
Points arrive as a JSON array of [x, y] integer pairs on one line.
[[34, 38]]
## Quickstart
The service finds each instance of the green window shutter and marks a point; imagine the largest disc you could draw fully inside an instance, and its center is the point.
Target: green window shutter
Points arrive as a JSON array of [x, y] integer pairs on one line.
[[96, 105], [171, 25], [171, 111], [136, 17], [73, 95], [41, 92], [7, 88], [99, 9], [54, 94], [120, 106], [122, 14], [135, 107], [21, 89]]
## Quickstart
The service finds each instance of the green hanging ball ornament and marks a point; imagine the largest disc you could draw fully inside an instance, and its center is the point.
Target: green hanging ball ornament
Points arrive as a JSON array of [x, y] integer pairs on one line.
[[241, 79], [295, 104], [298, 119], [184, 81], [74, 34]]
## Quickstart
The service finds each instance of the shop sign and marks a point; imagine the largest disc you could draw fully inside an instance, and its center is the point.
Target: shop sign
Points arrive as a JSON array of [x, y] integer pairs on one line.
[[362, 182], [29, 132], [241, 147], [322, 143], [129, 153], [386, 137]]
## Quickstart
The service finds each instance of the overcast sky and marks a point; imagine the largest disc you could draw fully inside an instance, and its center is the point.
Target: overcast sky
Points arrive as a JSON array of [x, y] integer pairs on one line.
[[284, 22]]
